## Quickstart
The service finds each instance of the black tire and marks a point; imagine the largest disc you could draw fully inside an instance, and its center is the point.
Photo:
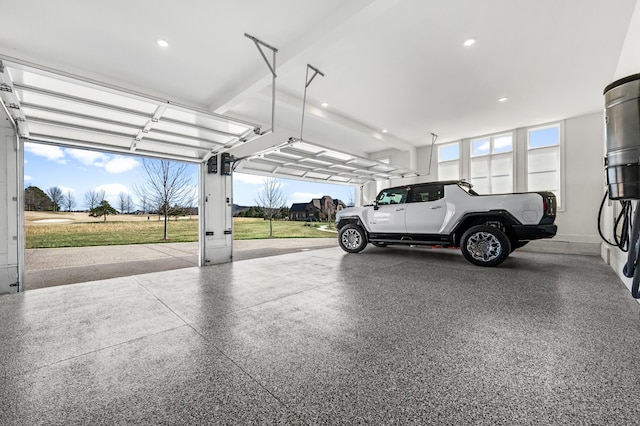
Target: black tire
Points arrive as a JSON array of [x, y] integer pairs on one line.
[[352, 238], [485, 245], [379, 244]]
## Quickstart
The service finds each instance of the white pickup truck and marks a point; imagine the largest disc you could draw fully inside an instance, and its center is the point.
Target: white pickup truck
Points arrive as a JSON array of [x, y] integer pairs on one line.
[[487, 228]]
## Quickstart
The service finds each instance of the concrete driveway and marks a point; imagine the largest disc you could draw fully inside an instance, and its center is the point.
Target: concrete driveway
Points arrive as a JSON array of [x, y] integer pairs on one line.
[[57, 266]]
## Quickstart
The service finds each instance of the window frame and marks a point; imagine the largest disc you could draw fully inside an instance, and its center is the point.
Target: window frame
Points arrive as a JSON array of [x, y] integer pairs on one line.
[[457, 161], [561, 165], [491, 155]]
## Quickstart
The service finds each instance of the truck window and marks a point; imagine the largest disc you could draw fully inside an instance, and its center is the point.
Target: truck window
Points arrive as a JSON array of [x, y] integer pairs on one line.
[[392, 196], [425, 193]]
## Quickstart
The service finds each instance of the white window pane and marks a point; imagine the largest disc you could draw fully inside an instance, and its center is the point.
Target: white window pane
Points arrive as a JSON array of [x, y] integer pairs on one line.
[[480, 185], [545, 181], [479, 167], [448, 171], [448, 152], [501, 184], [480, 147], [544, 159], [544, 137], [501, 165], [502, 144]]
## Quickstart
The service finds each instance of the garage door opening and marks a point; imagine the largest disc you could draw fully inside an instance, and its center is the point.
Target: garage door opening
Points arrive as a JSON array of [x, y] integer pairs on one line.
[[93, 215]]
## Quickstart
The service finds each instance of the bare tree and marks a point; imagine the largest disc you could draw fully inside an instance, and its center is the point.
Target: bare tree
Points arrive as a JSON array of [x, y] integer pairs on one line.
[[351, 201], [55, 193], [129, 204], [122, 202], [69, 201], [144, 204], [168, 186], [271, 200], [93, 198]]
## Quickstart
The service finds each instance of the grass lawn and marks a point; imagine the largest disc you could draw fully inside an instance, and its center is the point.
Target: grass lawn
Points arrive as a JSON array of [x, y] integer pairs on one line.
[[48, 230]]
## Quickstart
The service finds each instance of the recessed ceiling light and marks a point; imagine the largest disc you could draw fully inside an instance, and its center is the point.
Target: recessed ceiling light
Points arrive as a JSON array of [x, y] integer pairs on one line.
[[162, 43], [384, 130], [503, 99], [470, 42], [324, 104]]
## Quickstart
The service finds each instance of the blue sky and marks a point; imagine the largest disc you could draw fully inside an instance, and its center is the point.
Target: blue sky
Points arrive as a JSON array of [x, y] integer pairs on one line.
[[79, 171]]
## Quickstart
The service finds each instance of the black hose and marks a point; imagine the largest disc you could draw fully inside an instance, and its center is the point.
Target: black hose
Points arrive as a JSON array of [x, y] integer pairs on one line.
[[624, 217]]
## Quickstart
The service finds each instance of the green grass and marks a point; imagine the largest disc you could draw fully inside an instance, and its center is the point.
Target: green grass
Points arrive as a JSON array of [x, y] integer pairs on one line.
[[151, 232], [253, 229]]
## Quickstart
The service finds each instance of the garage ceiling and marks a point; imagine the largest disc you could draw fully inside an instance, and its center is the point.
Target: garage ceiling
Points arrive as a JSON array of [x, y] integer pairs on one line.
[[388, 64]]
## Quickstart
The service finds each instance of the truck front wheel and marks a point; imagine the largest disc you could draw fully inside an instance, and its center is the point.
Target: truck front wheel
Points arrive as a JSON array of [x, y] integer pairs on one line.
[[485, 245], [352, 238]]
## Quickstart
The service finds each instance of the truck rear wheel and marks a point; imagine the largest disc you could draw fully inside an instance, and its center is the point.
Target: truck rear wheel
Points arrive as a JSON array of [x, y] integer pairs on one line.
[[352, 238], [485, 245]]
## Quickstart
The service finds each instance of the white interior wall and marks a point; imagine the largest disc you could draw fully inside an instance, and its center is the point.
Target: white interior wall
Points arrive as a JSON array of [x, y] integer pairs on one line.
[[583, 171]]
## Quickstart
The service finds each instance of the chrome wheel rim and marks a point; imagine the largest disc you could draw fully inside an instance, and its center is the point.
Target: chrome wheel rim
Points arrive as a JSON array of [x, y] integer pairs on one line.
[[484, 246], [351, 239]]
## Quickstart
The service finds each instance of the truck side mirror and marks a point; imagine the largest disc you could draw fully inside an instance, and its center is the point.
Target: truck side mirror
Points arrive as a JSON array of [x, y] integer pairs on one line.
[[375, 204]]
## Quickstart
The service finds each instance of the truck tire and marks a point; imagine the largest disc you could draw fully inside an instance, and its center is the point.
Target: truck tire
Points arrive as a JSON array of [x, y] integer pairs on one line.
[[485, 245], [352, 238]]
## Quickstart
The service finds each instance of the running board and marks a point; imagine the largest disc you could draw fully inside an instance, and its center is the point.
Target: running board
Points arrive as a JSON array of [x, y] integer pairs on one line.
[[409, 241]]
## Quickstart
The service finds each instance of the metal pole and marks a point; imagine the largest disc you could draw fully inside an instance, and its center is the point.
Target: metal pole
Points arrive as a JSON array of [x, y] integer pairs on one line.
[[272, 68], [307, 82], [433, 144]]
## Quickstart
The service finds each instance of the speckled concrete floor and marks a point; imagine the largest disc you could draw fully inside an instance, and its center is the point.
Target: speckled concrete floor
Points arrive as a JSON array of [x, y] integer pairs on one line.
[[321, 337]]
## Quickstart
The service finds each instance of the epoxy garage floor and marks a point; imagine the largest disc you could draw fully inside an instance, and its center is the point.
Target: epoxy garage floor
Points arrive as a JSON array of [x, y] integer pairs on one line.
[[386, 336]]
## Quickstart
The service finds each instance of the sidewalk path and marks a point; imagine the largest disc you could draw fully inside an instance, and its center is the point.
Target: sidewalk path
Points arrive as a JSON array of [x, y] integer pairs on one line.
[[58, 266]]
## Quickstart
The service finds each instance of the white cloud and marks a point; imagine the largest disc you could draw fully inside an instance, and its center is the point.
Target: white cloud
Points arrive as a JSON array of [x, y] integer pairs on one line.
[[249, 179], [50, 152], [65, 190], [111, 191], [27, 177], [303, 197], [112, 164], [89, 158], [120, 164]]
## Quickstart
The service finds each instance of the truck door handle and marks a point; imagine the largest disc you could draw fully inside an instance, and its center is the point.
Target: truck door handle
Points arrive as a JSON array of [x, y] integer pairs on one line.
[[399, 210], [436, 207]]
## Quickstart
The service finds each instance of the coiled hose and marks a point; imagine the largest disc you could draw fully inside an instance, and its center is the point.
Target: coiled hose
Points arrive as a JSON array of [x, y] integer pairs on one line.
[[625, 242]]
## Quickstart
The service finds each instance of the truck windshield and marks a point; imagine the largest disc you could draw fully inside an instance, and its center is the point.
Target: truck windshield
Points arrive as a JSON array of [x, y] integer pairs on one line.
[[392, 196]]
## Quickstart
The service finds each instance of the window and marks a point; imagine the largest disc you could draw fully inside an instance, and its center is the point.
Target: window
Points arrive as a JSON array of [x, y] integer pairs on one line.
[[449, 161], [492, 164], [423, 193], [543, 160], [393, 196]]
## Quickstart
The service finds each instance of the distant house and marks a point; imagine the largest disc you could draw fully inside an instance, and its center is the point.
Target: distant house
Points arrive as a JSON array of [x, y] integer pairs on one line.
[[324, 208]]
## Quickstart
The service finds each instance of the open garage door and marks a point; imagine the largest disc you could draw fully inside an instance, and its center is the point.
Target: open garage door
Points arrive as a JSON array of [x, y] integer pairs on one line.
[[62, 109], [304, 160]]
